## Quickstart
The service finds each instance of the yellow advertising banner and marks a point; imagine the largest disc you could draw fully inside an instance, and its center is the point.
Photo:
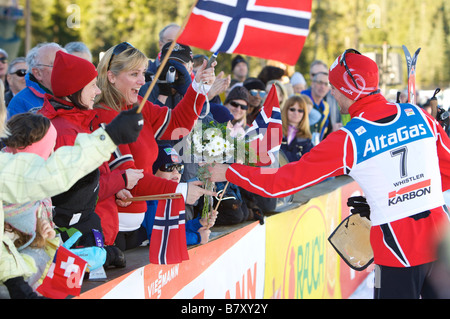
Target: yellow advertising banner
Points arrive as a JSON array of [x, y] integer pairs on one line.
[[300, 263]]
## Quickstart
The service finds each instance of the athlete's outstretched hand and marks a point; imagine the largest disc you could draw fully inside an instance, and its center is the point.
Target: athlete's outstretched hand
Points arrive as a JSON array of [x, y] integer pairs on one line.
[[218, 172], [195, 191]]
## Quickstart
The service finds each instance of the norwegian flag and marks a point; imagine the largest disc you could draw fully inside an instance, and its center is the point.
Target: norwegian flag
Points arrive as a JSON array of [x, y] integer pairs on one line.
[[265, 133], [268, 29], [168, 240], [64, 277]]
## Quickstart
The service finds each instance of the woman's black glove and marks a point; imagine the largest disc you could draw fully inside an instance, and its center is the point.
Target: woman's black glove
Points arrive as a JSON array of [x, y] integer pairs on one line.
[[125, 127]]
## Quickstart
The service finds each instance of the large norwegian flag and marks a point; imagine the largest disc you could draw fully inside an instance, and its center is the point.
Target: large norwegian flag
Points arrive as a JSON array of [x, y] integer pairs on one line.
[[268, 29], [265, 134], [65, 275], [168, 240]]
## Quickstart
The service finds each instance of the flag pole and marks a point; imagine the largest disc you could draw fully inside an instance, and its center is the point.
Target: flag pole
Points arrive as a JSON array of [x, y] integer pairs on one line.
[[221, 196], [164, 61], [218, 203], [154, 197]]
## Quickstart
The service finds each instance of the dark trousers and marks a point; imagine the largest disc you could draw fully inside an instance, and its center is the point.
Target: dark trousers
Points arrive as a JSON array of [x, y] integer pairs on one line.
[[130, 239], [423, 281]]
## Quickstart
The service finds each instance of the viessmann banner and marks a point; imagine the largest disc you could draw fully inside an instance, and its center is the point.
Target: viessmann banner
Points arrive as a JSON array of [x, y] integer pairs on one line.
[[287, 257], [228, 267]]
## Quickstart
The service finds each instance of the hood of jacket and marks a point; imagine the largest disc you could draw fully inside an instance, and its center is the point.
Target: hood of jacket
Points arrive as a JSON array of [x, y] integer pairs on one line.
[[58, 108]]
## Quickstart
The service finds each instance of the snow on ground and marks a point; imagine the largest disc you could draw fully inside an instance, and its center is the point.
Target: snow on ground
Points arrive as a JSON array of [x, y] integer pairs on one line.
[[365, 290]]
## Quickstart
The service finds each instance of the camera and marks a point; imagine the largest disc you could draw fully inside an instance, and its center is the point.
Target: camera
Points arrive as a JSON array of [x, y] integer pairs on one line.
[[170, 75]]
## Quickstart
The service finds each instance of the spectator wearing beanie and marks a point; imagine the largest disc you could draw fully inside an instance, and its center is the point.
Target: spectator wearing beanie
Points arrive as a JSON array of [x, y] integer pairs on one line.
[[257, 91], [237, 103], [298, 82], [239, 70], [90, 203]]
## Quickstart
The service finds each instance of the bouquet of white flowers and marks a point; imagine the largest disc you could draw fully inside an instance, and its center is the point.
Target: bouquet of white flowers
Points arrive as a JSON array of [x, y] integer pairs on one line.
[[211, 143]]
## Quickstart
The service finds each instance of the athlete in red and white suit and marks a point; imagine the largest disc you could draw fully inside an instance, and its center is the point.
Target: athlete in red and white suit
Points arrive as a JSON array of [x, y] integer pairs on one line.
[[416, 239]]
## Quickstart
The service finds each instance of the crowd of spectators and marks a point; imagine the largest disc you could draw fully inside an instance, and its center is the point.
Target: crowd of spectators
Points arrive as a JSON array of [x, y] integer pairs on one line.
[[58, 89]]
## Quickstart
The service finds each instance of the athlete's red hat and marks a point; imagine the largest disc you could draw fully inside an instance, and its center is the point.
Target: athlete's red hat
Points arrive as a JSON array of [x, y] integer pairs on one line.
[[351, 67]]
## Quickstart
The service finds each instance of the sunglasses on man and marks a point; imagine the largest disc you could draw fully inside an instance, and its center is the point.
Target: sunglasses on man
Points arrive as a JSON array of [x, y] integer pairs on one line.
[[236, 104], [20, 72], [4, 60], [255, 92]]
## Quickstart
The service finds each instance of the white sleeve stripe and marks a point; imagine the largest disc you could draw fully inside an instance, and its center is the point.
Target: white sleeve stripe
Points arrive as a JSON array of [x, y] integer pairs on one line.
[[287, 191], [346, 141], [442, 143], [118, 161], [160, 131]]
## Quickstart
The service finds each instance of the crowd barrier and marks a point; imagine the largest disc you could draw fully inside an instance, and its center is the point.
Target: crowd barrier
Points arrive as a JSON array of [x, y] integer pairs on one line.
[[289, 256]]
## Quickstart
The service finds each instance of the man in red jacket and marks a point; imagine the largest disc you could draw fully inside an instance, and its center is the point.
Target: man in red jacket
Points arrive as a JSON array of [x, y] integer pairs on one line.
[[400, 157]]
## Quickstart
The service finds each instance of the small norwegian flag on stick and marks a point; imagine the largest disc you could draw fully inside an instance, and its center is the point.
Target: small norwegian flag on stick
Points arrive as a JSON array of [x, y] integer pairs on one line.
[[265, 134], [168, 240]]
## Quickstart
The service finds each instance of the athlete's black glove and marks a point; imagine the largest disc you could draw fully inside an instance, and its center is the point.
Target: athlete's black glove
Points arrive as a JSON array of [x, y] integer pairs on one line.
[[443, 117], [359, 205], [125, 127]]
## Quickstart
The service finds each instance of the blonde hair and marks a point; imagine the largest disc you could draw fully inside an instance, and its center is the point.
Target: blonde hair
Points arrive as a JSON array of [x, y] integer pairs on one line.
[[130, 59], [22, 239], [3, 128], [303, 127]]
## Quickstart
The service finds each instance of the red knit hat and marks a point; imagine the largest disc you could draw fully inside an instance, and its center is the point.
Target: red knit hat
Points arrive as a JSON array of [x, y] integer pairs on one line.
[[70, 74], [364, 71]]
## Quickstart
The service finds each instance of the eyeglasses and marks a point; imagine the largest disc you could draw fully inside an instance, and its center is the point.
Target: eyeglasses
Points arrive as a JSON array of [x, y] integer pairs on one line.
[[47, 65], [298, 110], [314, 74], [4, 60], [20, 72], [242, 106], [344, 62], [118, 50], [170, 167], [255, 92]]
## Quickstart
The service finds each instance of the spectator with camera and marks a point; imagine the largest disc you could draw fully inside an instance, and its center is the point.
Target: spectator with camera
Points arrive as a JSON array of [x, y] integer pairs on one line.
[[174, 79]]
